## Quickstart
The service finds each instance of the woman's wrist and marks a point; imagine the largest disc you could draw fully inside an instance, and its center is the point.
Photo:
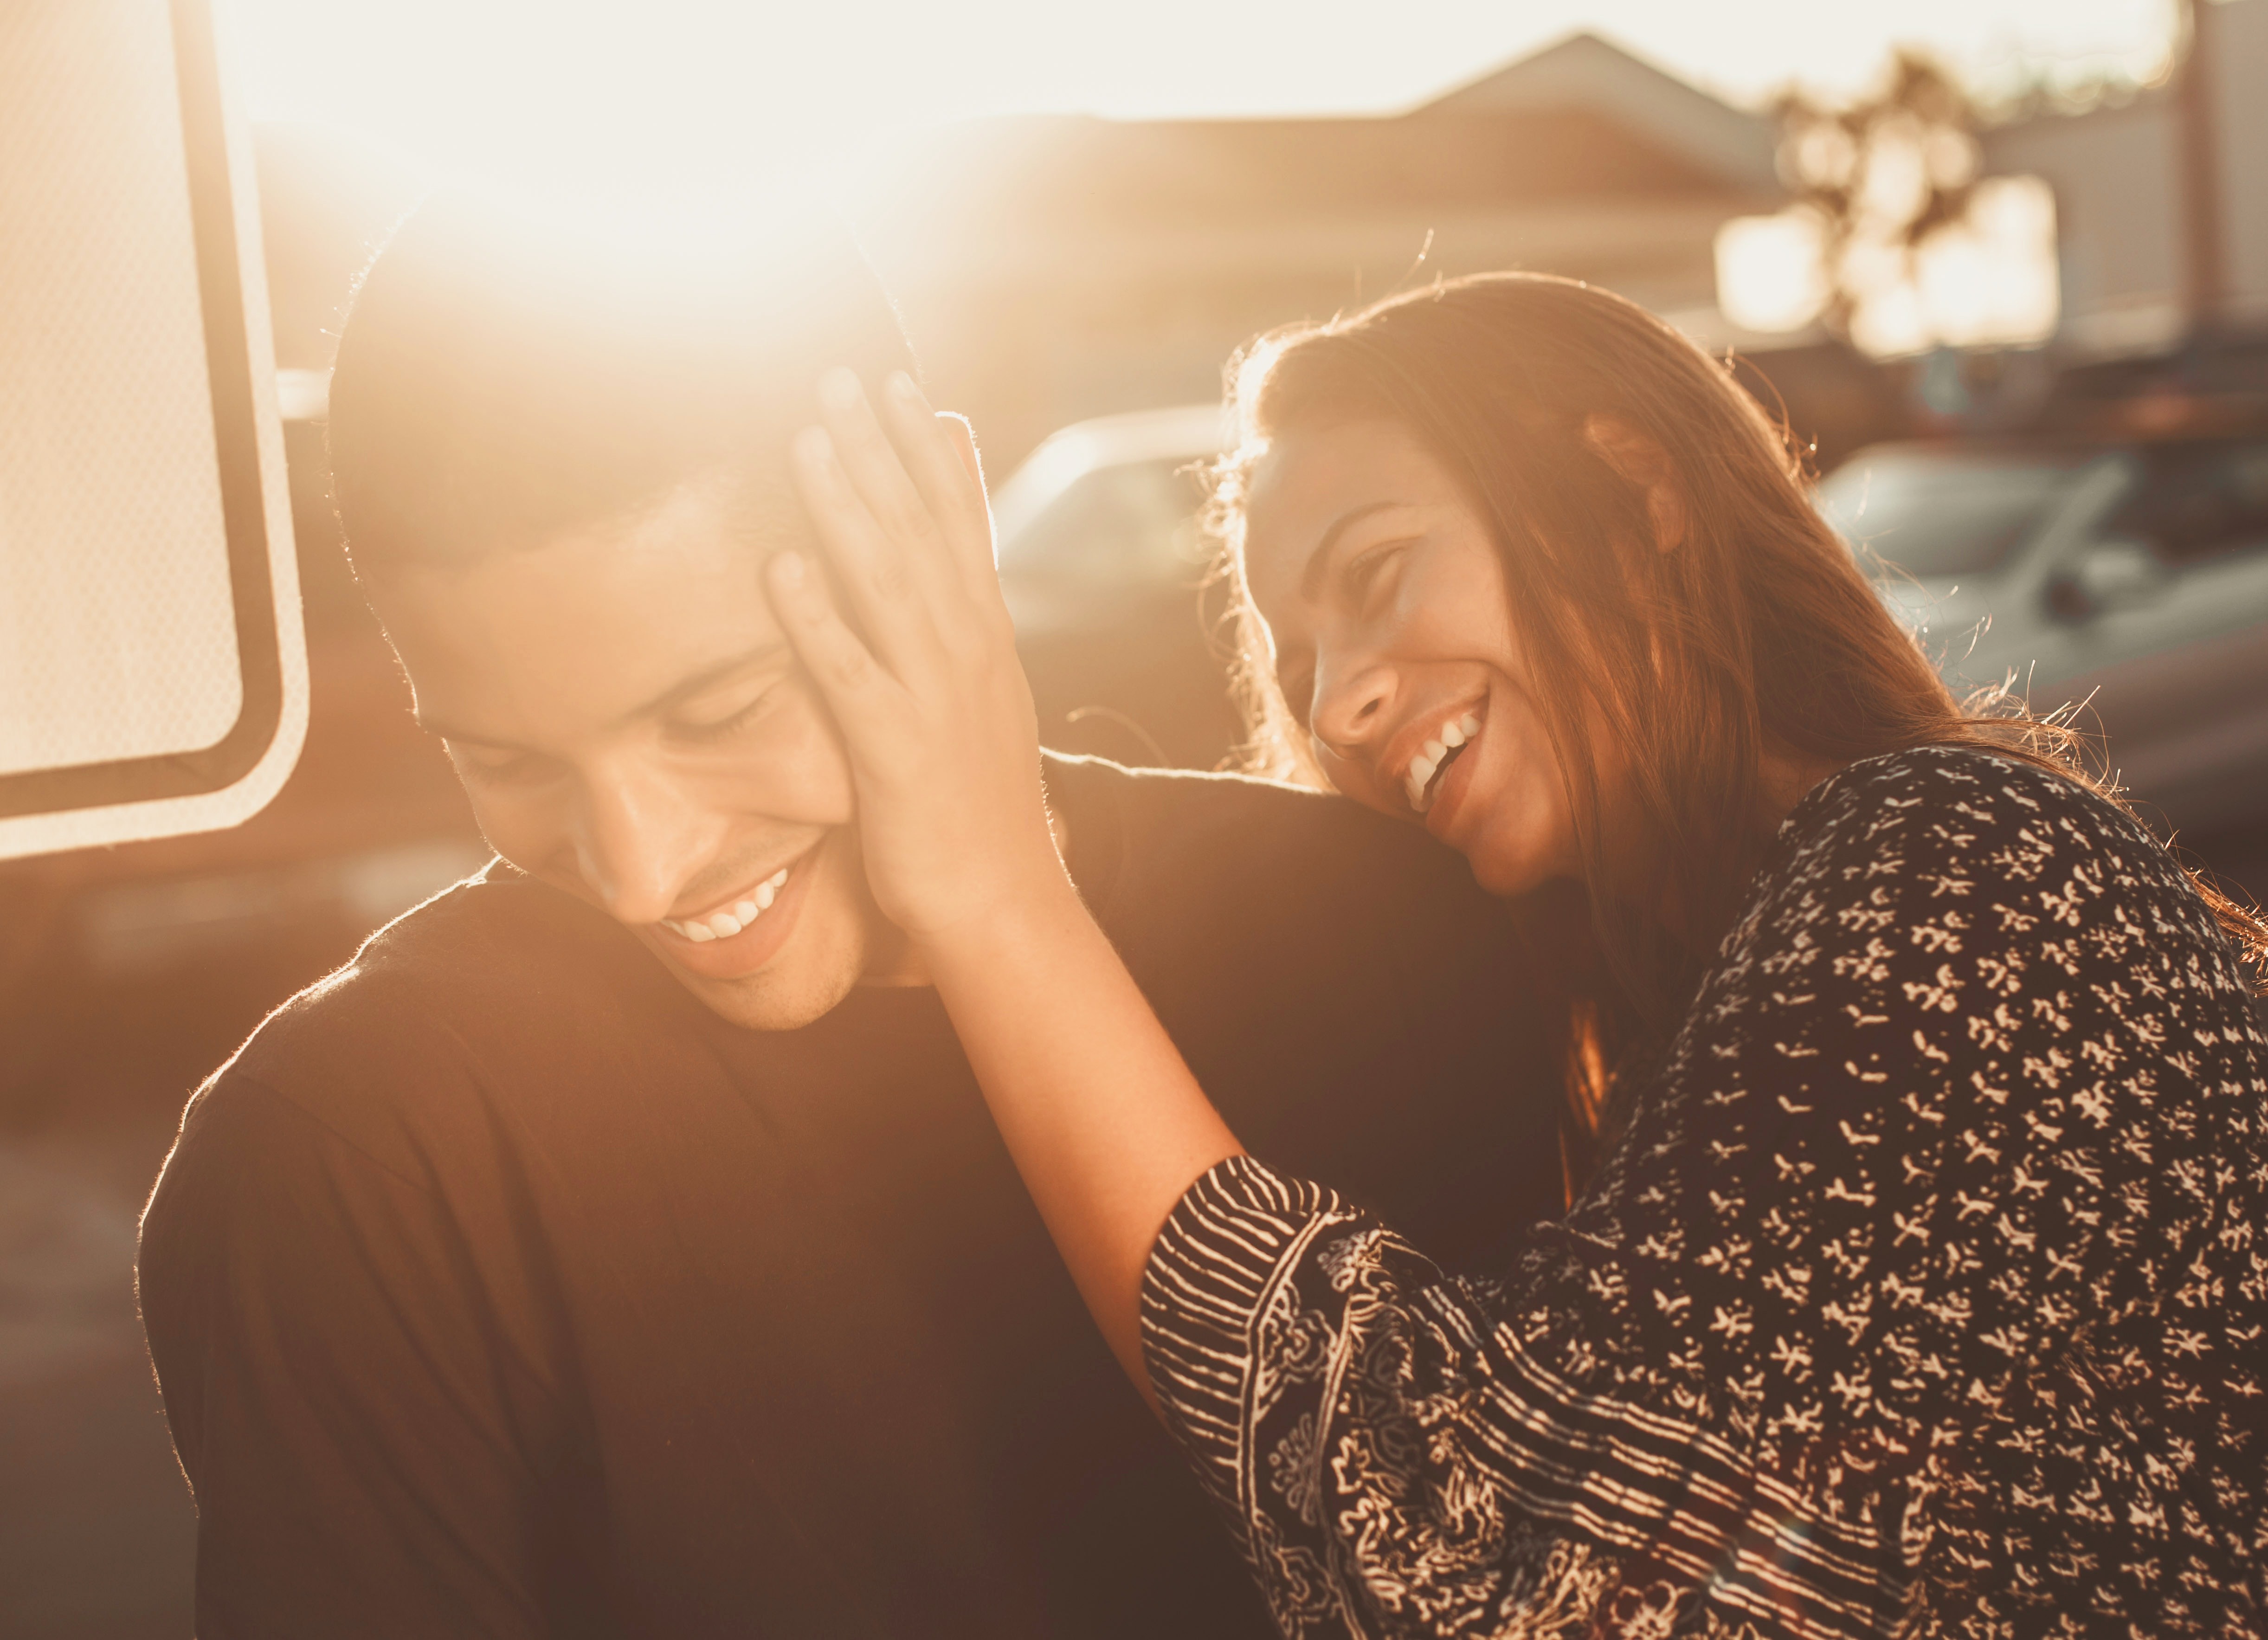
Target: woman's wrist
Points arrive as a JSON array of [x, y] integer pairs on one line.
[[1033, 903]]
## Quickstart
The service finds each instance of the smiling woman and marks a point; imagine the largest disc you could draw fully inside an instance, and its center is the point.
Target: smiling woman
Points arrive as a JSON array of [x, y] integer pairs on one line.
[[1575, 523]]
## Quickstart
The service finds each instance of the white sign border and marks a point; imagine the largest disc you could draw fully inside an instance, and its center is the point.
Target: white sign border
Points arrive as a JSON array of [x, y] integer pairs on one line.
[[194, 29]]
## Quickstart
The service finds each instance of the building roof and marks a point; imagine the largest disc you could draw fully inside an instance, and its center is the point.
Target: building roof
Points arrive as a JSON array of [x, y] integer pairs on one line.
[[1080, 171], [1585, 71], [1581, 123]]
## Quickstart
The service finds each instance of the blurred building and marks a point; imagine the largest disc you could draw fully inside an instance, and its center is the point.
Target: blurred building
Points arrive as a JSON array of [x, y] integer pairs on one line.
[[2124, 174], [1055, 269]]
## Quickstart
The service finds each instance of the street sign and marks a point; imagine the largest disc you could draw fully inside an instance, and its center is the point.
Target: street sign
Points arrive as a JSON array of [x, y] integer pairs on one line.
[[153, 676]]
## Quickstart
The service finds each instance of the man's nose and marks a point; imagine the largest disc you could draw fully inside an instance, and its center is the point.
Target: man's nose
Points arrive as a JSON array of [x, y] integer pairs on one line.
[[1351, 703], [637, 842]]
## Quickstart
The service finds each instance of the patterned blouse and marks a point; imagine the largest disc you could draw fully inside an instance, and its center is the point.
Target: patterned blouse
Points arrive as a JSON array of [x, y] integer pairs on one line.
[[1924, 1296]]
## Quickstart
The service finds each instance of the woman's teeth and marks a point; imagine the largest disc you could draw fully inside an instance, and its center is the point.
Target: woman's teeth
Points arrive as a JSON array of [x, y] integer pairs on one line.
[[1434, 756], [723, 925]]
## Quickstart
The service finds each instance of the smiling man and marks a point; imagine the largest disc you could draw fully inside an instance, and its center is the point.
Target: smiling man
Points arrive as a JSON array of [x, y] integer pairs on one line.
[[667, 766], [619, 1245]]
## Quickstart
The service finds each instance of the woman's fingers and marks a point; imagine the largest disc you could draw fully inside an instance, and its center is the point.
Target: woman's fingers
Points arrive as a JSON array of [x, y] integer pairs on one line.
[[894, 607], [940, 453], [861, 693], [963, 438], [871, 457], [975, 550]]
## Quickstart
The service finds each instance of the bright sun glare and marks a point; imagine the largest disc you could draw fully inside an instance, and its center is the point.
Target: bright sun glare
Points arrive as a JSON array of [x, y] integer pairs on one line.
[[581, 92]]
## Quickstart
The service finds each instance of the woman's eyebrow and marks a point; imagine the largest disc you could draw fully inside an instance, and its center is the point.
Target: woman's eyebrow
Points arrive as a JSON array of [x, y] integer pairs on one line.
[[1311, 579]]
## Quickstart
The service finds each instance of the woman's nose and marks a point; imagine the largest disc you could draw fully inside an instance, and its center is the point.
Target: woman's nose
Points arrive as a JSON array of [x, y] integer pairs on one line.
[[1350, 703]]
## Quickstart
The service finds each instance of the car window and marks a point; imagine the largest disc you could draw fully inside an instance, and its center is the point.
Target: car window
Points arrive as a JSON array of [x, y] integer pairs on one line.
[[1134, 524], [2197, 501], [1935, 514]]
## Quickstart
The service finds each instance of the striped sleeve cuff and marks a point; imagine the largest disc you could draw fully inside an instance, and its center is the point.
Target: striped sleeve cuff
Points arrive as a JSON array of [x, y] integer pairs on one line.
[[1229, 1245]]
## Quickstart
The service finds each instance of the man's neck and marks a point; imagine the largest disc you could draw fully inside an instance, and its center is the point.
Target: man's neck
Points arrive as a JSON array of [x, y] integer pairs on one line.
[[903, 970]]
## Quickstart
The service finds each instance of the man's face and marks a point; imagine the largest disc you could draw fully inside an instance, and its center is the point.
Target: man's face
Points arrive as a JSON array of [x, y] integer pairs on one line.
[[632, 728]]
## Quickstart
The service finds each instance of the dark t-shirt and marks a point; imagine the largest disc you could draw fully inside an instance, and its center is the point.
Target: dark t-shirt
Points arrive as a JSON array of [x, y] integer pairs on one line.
[[497, 1286]]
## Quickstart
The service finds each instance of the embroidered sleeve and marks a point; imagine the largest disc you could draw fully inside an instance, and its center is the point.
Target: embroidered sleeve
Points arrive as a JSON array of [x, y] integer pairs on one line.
[[1923, 1292]]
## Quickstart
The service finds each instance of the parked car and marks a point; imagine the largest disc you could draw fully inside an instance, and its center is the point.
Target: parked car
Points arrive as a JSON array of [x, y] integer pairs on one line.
[[1108, 573], [2128, 579]]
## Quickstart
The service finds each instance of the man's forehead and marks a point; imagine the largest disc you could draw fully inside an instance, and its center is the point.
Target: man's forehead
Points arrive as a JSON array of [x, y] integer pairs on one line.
[[753, 508], [572, 635]]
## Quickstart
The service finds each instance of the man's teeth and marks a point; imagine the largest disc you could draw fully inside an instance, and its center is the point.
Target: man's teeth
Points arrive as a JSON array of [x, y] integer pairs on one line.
[[1433, 754], [723, 925]]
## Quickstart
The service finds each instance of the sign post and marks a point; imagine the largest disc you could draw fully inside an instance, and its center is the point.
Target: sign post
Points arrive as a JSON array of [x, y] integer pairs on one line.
[[153, 675]]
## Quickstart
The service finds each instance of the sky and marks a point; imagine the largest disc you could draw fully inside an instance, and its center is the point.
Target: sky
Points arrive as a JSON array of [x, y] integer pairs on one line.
[[527, 88]]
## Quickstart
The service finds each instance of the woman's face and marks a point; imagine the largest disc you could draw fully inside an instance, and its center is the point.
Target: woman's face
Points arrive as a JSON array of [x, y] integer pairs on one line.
[[1381, 586]]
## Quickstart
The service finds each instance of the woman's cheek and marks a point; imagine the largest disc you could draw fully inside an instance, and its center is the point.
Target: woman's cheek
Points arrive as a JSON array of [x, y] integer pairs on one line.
[[1517, 845], [1352, 778]]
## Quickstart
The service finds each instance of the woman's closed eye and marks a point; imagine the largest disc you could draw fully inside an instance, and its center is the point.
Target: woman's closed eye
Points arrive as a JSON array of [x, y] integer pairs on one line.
[[1372, 570], [1356, 583]]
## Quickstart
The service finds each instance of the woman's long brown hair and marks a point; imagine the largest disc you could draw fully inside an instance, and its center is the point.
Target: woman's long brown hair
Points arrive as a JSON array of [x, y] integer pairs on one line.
[[1758, 631]]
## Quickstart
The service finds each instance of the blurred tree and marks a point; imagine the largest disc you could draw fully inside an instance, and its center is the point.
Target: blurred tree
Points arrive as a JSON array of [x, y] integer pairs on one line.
[[1879, 176]]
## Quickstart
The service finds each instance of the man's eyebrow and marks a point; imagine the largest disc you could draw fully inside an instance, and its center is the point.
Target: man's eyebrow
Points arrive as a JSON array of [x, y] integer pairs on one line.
[[683, 689], [1311, 579]]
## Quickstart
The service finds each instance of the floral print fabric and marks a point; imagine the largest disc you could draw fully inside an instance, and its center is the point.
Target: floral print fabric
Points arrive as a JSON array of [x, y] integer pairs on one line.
[[1924, 1295]]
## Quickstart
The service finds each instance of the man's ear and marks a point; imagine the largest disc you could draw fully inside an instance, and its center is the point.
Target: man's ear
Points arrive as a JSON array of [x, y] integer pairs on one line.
[[1642, 462], [964, 442]]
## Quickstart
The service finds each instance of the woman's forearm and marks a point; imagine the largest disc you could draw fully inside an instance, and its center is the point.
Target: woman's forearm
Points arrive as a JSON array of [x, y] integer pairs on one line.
[[1104, 1120]]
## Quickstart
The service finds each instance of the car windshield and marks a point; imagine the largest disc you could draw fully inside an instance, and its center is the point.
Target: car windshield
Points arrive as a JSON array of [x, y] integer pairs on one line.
[[1936, 514], [2197, 501], [1134, 522]]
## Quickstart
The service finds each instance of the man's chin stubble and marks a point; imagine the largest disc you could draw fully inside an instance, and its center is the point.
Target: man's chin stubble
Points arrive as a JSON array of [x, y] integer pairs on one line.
[[842, 940], [770, 1002]]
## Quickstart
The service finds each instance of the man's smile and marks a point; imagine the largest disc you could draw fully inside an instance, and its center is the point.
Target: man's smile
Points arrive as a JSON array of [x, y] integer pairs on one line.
[[742, 931], [729, 916]]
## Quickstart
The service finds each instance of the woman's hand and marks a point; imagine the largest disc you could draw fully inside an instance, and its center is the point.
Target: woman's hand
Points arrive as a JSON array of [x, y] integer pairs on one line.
[[932, 701]]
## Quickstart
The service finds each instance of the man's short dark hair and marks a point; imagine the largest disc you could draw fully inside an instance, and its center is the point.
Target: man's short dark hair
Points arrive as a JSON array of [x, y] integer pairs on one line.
[[502, 380]]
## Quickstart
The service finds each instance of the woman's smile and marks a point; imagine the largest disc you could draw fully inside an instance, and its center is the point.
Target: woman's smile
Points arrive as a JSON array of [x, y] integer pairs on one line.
[[1423, 768], [1446, 789]]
